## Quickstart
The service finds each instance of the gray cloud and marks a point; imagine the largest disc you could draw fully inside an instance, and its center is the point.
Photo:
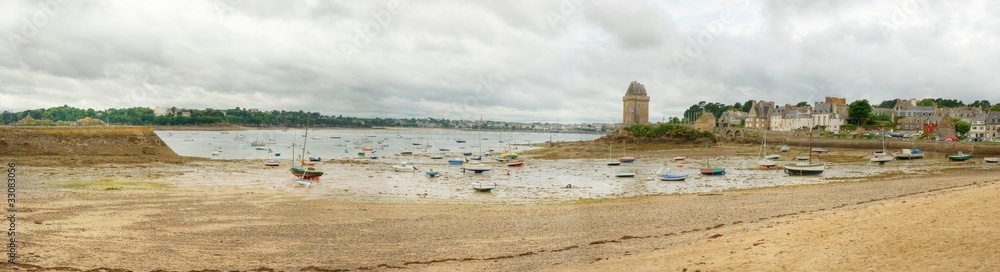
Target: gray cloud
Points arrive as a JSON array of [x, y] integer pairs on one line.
[[521, 61]]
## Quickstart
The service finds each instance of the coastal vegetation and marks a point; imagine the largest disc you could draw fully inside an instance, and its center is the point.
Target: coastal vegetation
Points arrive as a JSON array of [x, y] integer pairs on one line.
[[667, 131], [141, 116]]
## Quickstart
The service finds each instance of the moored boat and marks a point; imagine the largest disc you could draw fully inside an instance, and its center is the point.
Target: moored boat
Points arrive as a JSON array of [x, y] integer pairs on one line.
[[483, 186], [959, 157], [992, 159], [710, 171], [517, 163], [670, 177], [909, 154], [403, 167], [625, 173], [805, 168]]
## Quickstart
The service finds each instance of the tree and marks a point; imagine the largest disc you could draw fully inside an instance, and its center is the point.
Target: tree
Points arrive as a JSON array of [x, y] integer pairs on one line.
[[993, 108], [747, 105], [926, 102], [859, 111], [962, 127], [887, 104], [802, 104], [984, 104]]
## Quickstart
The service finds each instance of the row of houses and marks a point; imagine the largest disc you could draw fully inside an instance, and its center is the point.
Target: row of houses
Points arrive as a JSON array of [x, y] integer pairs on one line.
[[832, 113]]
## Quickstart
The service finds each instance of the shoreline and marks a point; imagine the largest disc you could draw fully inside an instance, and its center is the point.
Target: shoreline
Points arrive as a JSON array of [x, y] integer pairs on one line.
[[212, 225]]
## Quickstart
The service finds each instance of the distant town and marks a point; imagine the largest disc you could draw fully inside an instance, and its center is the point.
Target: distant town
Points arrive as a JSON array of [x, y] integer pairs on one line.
[[979, 120]]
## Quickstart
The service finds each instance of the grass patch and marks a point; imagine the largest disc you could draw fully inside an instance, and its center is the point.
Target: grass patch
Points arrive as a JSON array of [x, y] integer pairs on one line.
[[105, 184]]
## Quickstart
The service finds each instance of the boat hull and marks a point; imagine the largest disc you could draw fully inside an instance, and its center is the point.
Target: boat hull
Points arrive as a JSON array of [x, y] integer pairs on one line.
[[712, 171], [626, 159], [483, 187], [668, 177], [804, 170], [305, 173], [959, 157]]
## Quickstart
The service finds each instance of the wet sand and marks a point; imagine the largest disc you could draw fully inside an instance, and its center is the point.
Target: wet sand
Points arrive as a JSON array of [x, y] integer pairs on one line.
[[203, 214]]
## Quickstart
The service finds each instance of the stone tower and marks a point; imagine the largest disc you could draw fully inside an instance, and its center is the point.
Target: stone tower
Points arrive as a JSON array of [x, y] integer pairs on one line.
[[636, 105]]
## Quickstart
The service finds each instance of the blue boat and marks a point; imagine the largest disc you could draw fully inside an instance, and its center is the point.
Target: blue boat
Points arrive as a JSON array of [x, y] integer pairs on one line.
[[455, 161], [466, 153], [432, 173]]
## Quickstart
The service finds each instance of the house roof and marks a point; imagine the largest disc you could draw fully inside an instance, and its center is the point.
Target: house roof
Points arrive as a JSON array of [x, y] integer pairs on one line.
[[636, 88], [823, 107]]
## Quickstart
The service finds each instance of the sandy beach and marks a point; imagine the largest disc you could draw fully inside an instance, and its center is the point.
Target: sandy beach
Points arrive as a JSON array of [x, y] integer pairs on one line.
[[159, 216]]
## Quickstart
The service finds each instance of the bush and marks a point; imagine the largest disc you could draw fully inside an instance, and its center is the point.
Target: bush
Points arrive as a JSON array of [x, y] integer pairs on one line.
[[667, 131]]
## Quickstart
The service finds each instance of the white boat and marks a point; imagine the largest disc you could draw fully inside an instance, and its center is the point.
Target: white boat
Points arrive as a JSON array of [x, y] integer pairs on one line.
[[484, 186], [624, 173], [476, 166], [805, 168], [802, 157], [403, 167], [992, 159], [772, 157], [765, 162], [437, 156], [670, 177], [613, 161], [784, 148], [880, 156], [679, 158]]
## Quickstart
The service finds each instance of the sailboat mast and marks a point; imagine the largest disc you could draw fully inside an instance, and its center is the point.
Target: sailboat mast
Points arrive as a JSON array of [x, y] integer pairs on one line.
[[810, 146], [304, 139], [707, 162]]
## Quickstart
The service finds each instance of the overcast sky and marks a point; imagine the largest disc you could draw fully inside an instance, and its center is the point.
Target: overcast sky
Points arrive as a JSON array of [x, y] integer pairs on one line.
[[566, 61]]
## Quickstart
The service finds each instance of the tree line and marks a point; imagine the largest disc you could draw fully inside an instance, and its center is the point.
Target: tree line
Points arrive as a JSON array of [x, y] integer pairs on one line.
[[237, 117]]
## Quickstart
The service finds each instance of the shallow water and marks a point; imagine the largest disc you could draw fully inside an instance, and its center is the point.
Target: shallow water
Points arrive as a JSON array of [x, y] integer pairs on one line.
[[539, 181], [321, 143]]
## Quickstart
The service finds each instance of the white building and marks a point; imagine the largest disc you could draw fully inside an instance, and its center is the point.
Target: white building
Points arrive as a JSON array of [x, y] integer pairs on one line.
[[160, 111]]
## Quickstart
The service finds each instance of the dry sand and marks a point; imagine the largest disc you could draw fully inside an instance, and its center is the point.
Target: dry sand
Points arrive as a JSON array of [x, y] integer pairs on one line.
[[952, 230], [83, 217]]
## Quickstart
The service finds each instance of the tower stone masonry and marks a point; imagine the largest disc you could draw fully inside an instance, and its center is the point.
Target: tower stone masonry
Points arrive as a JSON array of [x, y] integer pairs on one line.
[[635, 108]]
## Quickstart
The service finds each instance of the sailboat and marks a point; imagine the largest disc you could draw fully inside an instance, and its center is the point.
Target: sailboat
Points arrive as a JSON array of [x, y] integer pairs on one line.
[[670, 177], [880, 156], [301, 171], [478, 167], [612, 162], [625, 158], [766, 162], [708, 169], [805, 168]]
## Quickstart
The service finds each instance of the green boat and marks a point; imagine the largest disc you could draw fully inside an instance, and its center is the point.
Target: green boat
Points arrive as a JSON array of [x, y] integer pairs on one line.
[[305, 173], [960, 157]]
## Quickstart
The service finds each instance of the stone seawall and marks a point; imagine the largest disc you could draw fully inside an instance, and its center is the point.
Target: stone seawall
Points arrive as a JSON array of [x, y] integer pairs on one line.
[[87, 141]]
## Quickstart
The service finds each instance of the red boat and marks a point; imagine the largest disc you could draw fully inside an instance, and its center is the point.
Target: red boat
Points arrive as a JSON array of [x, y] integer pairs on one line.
[[515, 164]]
